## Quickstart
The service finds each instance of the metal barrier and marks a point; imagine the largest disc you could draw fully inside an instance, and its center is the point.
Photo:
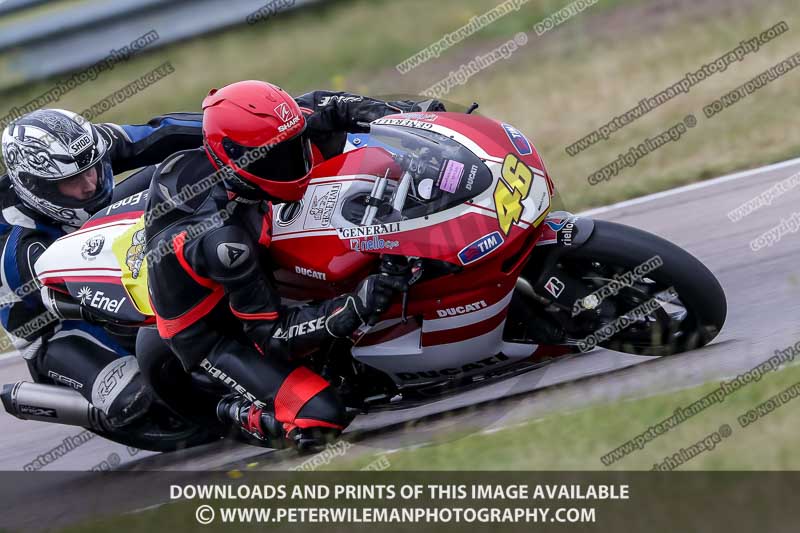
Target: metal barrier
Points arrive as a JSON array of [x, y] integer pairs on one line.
[[58, 42], [12, 6]]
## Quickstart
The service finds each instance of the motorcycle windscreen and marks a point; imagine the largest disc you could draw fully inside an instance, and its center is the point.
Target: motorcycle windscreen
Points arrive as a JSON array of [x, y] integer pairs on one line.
[[446, 174]]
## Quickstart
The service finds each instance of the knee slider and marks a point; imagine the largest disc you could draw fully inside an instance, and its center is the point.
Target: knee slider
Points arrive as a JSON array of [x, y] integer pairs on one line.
[[133, 402], [120, 391]]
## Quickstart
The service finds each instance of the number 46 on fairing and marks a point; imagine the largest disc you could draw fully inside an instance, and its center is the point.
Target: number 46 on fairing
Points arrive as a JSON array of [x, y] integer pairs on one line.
[[512, 188]]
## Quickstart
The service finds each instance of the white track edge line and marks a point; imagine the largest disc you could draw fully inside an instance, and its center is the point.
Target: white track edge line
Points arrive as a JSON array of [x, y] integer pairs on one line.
[[691, 187]]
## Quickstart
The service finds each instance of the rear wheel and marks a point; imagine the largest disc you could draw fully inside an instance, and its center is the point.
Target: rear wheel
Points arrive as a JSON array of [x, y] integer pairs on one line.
[[160, 430], [172, 385]]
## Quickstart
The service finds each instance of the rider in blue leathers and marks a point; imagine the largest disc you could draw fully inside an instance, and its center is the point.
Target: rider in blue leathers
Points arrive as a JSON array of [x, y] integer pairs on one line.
[[61, 171]]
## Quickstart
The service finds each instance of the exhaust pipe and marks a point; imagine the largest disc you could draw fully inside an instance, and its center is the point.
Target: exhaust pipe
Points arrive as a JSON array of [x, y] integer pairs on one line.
[[51, 403]]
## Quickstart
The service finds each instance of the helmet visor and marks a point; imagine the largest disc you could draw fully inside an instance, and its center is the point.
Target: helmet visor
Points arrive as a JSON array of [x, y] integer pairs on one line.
[[288, 160], [79, 191]]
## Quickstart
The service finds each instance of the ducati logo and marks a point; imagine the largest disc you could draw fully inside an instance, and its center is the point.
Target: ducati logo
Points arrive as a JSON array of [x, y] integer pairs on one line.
[[283, 112], [461, 309], [232, 254]]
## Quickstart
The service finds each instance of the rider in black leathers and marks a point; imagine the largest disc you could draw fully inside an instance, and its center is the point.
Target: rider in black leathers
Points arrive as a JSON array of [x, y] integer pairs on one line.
[[216, 308]]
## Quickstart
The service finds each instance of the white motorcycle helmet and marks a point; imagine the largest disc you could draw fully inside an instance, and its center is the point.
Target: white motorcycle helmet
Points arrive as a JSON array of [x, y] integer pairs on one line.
[[47, 146]]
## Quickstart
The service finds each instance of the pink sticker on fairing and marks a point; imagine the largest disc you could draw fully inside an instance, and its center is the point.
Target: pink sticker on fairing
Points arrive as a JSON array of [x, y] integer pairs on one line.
[[451, 176]]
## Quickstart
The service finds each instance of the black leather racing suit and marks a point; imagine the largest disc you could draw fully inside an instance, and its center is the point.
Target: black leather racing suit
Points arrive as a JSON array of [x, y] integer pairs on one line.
[[215, 305], [71, 352]]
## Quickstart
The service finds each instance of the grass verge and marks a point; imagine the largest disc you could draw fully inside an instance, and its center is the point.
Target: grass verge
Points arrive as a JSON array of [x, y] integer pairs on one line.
[[578, 440]]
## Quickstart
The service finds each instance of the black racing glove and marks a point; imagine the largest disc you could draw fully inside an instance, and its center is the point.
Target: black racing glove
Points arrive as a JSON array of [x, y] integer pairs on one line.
[[362, 123], [431, 105], [371, 298]]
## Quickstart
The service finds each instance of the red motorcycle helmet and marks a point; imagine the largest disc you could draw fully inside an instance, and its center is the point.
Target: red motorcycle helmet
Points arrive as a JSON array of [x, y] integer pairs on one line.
[[256, 129]]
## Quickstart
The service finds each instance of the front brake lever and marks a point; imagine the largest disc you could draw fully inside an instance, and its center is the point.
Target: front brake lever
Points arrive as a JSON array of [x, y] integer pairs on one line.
[[389, 266], [416, 274]]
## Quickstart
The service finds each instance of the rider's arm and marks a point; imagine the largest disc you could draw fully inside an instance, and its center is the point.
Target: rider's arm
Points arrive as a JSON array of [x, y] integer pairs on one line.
[[22, 312], [135, 146], [227, 256], [338, 111]]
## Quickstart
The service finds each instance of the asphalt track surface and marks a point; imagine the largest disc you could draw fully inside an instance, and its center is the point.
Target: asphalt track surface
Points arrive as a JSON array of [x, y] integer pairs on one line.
[[762, 289]]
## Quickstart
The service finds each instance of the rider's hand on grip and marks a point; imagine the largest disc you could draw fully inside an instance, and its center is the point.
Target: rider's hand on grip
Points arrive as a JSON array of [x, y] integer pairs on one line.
[[371, 298], [383, 287], [393, 278], [431, 105]]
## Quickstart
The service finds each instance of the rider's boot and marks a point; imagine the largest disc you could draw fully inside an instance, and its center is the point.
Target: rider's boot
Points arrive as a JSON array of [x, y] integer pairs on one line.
[[256, 422], [262, 424]]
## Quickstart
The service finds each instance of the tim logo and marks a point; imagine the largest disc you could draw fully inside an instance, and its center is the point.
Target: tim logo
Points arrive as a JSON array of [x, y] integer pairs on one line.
[[519, 141], [284, 113], [480, 248]]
